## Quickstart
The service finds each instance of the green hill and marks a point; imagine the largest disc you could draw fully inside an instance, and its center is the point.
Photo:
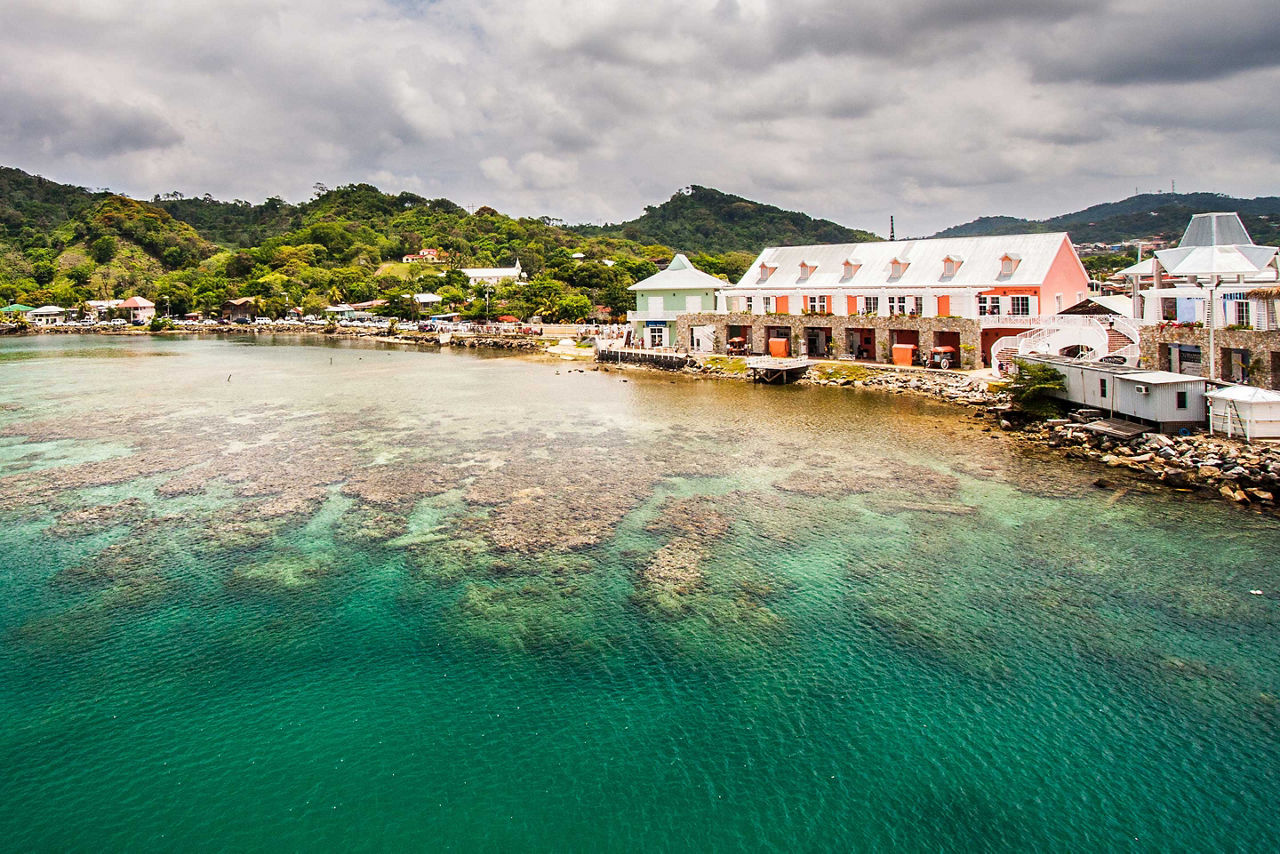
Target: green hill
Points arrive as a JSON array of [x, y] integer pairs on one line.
[[64, 245], [700, 219], [1146, 215]]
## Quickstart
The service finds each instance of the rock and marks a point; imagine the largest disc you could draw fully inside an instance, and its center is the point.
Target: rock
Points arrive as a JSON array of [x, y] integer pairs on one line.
[[1232, 494], [1207, 471]]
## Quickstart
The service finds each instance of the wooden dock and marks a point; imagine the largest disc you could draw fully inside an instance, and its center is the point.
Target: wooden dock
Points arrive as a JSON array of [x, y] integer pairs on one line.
[[667, 359], [1117, 428], [768, 369]]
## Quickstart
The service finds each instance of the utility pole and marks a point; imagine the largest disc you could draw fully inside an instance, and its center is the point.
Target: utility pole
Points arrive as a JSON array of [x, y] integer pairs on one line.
[[892, 237]]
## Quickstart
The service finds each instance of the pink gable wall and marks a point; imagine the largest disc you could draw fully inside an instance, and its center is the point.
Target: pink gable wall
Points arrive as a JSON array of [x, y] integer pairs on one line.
[[1066, 276]]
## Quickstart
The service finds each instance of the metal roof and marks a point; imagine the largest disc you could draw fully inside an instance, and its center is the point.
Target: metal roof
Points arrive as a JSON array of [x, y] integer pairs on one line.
[[1244, 393], [871, 264], [1234, 260], [1215, 229], [1159, 378], [680, 275]]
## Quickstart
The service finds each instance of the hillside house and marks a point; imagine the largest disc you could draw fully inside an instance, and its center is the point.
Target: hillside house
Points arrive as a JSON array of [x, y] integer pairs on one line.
[[425, 256], [140, 309], [240, 309], [492, 275]]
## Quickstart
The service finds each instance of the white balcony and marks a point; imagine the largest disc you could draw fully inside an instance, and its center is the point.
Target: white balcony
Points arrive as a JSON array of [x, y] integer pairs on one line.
[[641, 316], [999, 321]]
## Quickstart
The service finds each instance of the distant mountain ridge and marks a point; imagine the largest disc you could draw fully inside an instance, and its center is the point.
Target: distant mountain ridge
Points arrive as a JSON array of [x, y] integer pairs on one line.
[[701, 219], [1144, 215]]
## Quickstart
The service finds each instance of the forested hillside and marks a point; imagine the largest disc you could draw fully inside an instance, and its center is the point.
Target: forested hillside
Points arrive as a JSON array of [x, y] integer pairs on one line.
[[64, 245], [1147, 215], [700, 219]]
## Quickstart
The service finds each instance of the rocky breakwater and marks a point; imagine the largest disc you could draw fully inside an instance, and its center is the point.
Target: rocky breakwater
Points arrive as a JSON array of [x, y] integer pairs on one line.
[[945, 385], [1239, 472], [432, 339]]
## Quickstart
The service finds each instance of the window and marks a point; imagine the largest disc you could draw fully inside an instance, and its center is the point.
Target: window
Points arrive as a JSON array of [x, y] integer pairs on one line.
[[1102, 386], [850, 267], [657, 336], [988, 306], [806, 270], [1182, 400], [765, 272], [816, 305], [1020, 306], [917, 306], [950, 266], [1242, 314], [693, 305], [1008, 264], [1057, 302], [871, 305], [750, 304], [768, 304], [655, 305], [897, 305], [897, 267]]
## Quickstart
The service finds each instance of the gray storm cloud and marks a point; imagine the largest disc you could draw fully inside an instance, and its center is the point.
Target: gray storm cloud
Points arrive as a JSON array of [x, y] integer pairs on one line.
[[934, 110]]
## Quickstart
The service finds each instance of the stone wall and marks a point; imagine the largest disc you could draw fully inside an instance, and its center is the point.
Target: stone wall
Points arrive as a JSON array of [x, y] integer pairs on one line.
[[1263, 347], [926, 327]]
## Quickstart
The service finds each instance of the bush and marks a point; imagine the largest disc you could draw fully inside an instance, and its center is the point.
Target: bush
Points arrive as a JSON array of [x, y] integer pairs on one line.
[[1030, 389]]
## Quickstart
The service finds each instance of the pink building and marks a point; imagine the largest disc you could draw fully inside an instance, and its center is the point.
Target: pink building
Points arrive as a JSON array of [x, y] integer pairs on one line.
[[140, 309]]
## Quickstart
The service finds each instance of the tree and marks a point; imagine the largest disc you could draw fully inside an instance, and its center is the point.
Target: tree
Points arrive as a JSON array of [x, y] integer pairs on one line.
[[573, 308], [103, 249], [239, 265], [1031, 388], [43, 272], [80, 274]]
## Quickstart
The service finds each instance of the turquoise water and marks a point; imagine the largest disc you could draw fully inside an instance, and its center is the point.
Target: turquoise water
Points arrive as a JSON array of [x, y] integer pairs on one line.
[[309, 597]]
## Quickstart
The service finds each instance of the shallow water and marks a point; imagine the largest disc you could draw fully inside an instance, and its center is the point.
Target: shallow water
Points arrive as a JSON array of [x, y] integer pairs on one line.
[[340, 597]]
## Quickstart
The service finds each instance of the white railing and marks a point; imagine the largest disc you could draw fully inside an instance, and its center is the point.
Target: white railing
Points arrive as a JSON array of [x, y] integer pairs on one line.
[[1091, 326], [654, 315]]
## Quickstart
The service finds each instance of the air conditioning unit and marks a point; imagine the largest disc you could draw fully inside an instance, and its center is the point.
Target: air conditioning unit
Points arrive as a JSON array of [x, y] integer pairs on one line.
[[1142, 389]]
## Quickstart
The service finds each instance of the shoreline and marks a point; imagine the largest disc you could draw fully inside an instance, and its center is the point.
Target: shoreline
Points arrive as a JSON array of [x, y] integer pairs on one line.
[[1207, 467]]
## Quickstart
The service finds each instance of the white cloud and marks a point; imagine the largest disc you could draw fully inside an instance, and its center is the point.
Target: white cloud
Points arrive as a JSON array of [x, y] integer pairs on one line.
[[935, 110]]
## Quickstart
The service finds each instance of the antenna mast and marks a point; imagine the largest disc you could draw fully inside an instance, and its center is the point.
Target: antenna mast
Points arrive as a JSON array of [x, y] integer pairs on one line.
[[891, 234]]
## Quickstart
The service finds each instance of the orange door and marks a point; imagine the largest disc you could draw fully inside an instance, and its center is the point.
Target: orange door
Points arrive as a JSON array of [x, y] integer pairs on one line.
[[944, 306]]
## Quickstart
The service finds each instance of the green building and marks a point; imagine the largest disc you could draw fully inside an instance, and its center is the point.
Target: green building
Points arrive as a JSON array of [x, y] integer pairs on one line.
[[679, 289]]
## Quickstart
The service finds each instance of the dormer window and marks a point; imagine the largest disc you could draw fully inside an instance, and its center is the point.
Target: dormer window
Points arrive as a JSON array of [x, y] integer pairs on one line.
[[806, 270], [850, 267], [765, 272], [1008, 263], [897, 267], [951, 265]]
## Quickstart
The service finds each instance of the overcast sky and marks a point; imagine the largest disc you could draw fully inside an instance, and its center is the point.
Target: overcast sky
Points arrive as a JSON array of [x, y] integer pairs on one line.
[[937, 111]]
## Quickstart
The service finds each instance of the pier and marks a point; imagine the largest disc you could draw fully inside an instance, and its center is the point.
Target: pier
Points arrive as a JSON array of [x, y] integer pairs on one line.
[[769, 369], [666, 359]]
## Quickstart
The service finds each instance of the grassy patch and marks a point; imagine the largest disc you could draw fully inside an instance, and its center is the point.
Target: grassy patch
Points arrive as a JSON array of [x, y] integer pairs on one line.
[[733, 365], [841, 372]]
